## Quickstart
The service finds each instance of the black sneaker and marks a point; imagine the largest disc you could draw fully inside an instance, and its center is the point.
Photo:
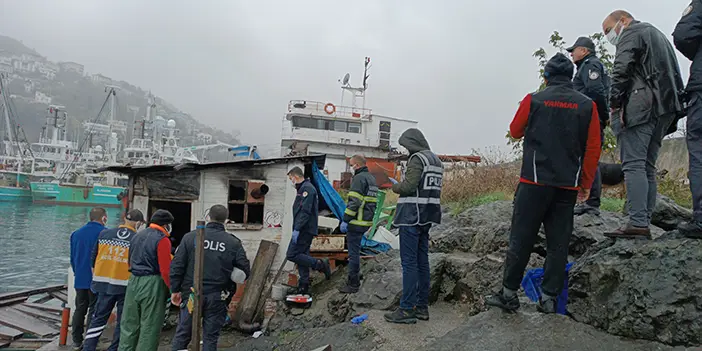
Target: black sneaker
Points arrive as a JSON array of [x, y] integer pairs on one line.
[[692, 230], [422, 313], [499, 300], [325, 268], [583, 208], [302, 290], [547, 306], [349, 289], [401, 316], [77, 346]]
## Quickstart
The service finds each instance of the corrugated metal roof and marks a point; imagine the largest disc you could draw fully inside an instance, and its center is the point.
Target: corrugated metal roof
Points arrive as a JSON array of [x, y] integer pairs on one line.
[[320, 159]]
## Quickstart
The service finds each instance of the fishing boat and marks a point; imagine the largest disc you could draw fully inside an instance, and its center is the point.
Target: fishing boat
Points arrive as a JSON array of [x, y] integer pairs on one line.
[[14, 183]]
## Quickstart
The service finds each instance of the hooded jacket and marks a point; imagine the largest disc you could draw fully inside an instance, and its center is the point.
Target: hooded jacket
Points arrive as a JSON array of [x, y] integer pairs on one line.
[[646, 80], [413, 140], [362, 201], [687, 38]]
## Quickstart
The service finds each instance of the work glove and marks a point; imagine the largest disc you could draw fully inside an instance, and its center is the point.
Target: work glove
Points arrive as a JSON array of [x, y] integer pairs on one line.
[[392, 180], [344, 227], [295, 235], [238, 276]]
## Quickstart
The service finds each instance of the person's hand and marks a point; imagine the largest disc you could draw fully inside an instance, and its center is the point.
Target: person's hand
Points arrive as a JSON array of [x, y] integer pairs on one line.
[[392, 180], [295, 235], [583, 195], [344, 227], [176, 299]]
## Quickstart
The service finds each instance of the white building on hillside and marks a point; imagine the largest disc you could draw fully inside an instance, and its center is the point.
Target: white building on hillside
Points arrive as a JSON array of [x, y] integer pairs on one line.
[[100, 79], [48, 69], [42, 98], [72, 67]]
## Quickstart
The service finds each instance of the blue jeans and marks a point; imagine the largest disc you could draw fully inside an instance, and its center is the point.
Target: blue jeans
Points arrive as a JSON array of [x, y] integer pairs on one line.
[[414, 254], [103, 309], [214, 314], [353, 240], [299, 253]]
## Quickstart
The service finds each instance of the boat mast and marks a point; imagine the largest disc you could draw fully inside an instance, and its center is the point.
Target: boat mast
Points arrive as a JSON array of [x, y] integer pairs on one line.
[[360, 92]]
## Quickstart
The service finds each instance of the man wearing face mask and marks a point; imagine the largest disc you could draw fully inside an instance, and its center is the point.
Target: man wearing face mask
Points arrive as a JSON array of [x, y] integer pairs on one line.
[[645, 102], [148, 286], [110, 277], [83, 242], [358, 218], [305, 219], [592, 80]]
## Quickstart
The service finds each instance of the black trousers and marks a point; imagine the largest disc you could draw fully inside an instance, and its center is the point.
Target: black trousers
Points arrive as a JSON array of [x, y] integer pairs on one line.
[[85, 304], [534, 205]]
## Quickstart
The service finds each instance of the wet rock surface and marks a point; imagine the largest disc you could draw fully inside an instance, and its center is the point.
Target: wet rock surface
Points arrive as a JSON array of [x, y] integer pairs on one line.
[[496, 330], [668, 214], [642, 289]]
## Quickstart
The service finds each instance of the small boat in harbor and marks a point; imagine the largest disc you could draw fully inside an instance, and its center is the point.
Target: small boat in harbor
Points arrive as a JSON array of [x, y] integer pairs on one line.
[[14, 183]]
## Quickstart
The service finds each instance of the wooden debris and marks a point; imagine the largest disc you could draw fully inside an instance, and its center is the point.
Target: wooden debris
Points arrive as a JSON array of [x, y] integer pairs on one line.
[[7, 333], [30, 292], [30, 344], [42, 307], [48, 316], [59, 295], [17, 320], [246, 309], [12, 301]]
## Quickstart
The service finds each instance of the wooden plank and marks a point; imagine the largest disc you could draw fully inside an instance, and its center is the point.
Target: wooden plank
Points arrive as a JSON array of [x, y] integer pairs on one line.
[[13, 301], [328, 243], [44, 299], [4, 343], [30, 292], [59, 295], [7, 333], [52, 346], [46, 308], [30, 344], [197, 283], [16, 320], [49, 316], [246, 309]]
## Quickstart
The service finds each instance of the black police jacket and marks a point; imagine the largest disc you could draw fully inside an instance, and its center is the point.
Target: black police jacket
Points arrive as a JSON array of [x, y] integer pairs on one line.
[[592, 80], [223, 252], [646, 80], [306, 209], [687, 38]]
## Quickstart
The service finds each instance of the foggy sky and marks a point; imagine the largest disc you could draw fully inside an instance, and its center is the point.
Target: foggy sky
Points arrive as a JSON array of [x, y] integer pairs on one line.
[[459, 68]]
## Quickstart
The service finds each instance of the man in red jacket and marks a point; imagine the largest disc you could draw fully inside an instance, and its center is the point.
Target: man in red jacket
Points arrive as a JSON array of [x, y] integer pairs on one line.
[[561, 130]]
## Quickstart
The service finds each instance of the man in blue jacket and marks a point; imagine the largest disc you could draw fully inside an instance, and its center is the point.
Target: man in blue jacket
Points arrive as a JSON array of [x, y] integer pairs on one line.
[[305, 212], [83, 241]]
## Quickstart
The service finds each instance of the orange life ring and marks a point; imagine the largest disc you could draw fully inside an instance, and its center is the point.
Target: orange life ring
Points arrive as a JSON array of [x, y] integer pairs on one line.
[[329, 108]]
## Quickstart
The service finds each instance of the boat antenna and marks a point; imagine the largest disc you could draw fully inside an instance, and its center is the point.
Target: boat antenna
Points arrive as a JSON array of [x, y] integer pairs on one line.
[[90, 131], [359, 92]]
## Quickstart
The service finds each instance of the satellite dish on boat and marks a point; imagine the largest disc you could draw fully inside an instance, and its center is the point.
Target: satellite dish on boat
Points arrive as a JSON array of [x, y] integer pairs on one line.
[[171, 123], [346, 79], [98, 148]]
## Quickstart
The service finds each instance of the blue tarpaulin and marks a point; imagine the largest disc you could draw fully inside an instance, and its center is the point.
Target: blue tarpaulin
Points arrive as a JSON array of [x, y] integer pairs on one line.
[[532, 287], [337, 206]]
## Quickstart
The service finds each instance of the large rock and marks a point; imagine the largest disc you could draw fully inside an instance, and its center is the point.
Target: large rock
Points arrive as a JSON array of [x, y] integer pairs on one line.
[[668, 214], [341, 337], [641, 289], [496, 331]]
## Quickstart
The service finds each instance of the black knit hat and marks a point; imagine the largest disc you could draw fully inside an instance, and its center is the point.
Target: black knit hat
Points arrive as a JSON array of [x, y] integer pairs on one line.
[[162, 217], [559, 65]]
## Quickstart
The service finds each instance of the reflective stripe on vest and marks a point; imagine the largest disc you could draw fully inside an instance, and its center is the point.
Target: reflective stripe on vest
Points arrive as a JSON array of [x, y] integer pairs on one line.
[[424, 207], [359, 215]]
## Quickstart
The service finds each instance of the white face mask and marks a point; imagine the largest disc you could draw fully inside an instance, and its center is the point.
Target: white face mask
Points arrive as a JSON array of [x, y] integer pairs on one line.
[[613, 37], [168, 228], [139, 226], [104, 220]]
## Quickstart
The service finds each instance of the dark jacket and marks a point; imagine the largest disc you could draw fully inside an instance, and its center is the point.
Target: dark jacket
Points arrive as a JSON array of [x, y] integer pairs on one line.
[[646, 80], [223, 252], [306, 209], [687, 37], [362, 201], [561, 133], [150, 253], [414, 141], [592, 80], [83, 242]]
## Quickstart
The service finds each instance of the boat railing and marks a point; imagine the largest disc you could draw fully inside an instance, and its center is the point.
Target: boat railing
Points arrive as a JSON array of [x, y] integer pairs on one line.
[[326, 109]]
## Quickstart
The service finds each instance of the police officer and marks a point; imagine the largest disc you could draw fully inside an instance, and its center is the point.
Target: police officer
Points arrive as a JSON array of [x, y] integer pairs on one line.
[[561, 150], [687, 38], [110, 276], [592, 80], [358, 218], [223, 254], [305, 218], [418, 207]]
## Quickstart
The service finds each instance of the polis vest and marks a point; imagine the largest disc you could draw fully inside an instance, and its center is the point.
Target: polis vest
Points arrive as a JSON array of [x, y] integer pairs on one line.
[[425, 206]]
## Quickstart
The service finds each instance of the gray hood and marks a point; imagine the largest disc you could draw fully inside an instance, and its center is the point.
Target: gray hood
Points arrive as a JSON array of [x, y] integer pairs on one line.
[[413, 140]]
